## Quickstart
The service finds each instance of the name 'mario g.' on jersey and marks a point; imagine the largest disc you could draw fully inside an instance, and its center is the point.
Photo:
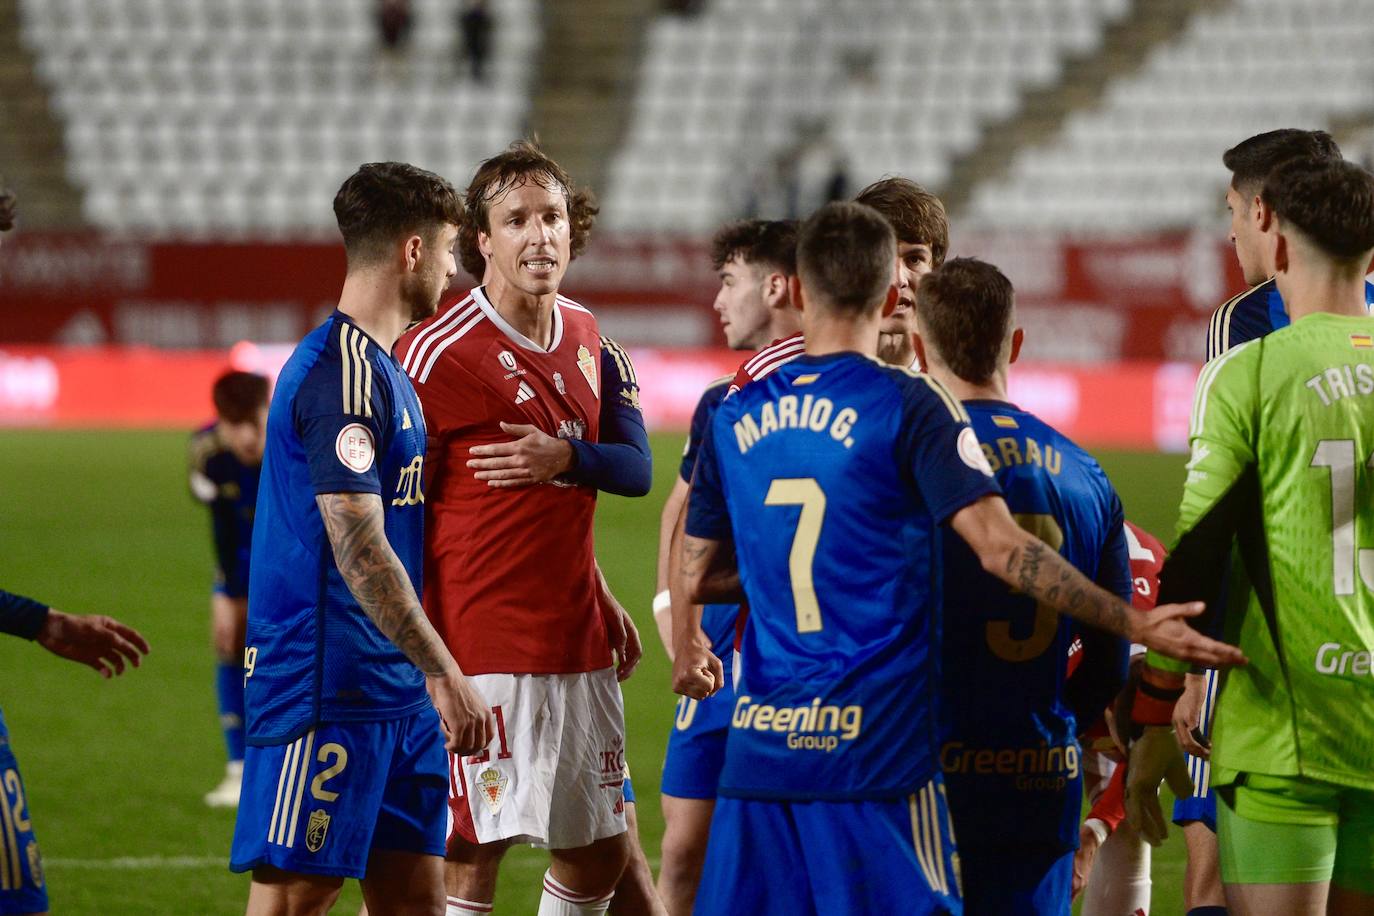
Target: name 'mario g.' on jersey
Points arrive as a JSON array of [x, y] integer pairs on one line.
[[833, 474], [511, 572], [344, 419], [1282, 451]]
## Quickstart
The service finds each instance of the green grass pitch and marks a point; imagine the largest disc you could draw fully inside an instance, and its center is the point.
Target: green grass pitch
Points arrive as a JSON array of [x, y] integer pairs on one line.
[[102, 522]]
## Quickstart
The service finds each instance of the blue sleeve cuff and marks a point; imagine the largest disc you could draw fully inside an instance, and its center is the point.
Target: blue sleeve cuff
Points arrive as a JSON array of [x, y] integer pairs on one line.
[[20, 616]]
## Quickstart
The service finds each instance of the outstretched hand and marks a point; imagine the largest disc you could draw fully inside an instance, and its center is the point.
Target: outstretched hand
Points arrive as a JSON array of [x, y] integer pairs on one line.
[[1165, 629], [533, 457], [98, 642]]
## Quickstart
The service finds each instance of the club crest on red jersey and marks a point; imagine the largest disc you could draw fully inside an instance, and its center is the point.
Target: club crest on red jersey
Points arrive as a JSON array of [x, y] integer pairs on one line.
[[507, 359], [491, 785], [587, 363], [558, 383]]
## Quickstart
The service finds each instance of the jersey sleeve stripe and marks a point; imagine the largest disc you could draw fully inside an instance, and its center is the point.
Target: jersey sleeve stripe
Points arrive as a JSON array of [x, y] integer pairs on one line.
[[796, 345], [622, 361], [356, 367], [956, 409], [344, 368], [425, 339], [441, 346], [367, 375], [1204, 387], [564, 300]]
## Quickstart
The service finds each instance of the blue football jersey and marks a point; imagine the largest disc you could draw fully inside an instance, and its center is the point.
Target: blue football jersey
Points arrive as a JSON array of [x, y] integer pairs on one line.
[[717, 620], [833, 474], [1253, 314], [1011, 759], [229, 488], [344, 419]]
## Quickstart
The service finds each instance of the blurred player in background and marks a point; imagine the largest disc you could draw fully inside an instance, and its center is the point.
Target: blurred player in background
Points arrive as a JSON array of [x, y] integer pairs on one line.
[[1281, 434], [515, 589], [102, 643], [225, 460], [830, 797], [345, 773], [1112, 866], [1006, 693], [755, 260]]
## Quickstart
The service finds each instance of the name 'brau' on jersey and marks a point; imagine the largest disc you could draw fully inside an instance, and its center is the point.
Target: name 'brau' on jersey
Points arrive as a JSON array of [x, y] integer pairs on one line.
[[834, 474], [344, 419], [1011, 755]]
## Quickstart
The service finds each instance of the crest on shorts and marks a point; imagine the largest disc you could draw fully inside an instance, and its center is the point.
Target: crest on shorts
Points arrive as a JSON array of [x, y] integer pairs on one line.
[[587, 363], [35, 863], [492, 786], [316, 829]]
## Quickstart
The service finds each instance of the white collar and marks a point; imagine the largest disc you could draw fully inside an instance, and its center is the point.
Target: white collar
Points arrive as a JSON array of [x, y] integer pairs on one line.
[[479, 295]]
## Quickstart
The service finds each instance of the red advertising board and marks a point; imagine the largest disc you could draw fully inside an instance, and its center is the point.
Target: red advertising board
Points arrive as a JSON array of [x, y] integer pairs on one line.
[[1129, 405], [1104, 299]]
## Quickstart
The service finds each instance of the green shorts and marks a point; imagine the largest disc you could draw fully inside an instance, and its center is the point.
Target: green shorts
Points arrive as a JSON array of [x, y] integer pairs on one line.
[[1292, 830]]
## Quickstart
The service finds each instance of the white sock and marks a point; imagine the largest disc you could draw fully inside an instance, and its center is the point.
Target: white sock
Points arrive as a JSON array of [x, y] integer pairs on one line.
[[457, 906], [1120, 881], [559, 900]]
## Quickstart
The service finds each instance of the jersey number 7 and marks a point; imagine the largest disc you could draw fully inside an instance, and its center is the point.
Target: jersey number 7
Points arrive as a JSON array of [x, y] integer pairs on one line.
[[807, 493]]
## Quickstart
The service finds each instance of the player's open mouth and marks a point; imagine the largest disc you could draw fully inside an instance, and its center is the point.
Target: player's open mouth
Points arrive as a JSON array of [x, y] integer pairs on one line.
[[540, 265]]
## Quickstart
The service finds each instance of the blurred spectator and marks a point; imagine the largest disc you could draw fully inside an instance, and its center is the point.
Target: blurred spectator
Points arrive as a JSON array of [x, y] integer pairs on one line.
[[684, 7], [393, 24], [7, 209], [475, 22]]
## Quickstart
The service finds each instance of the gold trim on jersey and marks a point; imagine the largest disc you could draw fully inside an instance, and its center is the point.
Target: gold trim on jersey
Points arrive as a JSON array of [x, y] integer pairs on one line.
[[927, 837], [956, 409], [356, 374], [11, 876], [622, 361], [1219, 328]]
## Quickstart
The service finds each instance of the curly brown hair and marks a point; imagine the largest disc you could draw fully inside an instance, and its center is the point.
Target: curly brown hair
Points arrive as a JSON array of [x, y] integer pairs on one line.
[[523, 161]]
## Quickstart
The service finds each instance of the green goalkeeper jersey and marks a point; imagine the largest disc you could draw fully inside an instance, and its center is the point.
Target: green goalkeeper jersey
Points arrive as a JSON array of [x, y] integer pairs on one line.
[[1282, 439]]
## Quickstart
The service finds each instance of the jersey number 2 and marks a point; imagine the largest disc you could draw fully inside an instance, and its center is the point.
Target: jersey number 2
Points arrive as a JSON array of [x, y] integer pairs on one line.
[[1339, 456], [807, 493]]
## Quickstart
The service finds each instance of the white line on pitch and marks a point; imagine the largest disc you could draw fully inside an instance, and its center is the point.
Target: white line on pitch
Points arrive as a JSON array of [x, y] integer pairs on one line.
[[138, 863]]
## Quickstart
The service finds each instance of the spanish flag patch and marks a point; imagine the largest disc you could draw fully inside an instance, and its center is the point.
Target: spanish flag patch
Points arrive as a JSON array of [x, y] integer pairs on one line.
[[1362, 341], [807, 379], [1004, 422]]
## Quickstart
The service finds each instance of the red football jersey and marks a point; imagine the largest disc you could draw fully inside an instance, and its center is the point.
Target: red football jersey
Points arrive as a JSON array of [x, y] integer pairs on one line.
[[510, 574], [778, 353]]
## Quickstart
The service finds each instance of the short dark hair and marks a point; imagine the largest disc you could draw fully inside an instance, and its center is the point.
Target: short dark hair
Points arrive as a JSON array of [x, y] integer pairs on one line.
[[765, 242], [1250, 161], [521, 162], [238, 396], [845, 255], [1329, 201], [965, 311], [383, 202], [917, 216]]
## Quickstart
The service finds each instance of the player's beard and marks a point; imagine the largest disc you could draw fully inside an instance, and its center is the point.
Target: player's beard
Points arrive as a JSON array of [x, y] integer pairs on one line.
[[423, 297]]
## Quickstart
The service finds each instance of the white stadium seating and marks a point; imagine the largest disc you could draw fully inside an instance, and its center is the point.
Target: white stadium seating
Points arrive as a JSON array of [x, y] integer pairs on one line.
[[220, 117]]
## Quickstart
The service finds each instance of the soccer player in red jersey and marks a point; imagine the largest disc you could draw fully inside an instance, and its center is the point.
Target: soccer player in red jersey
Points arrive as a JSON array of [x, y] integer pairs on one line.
[[512, 581]]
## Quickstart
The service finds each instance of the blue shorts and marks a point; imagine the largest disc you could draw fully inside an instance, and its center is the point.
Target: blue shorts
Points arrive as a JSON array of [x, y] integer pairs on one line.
[[22, 888], [696, 745], [1202, 804], [804, 858], [322, 803], [1017, 880]]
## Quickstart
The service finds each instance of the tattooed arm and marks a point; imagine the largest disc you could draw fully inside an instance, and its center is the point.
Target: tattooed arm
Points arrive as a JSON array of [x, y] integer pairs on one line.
[[1025, 562], [374, 574], [709, 573]]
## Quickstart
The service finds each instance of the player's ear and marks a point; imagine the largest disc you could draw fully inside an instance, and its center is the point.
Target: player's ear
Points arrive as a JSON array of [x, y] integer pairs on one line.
[[412, 252], [794, 292], [776, 290], [1263, 215], [1018, 337], [890, 300], [920, 347], [1280, 249], [484, 244]]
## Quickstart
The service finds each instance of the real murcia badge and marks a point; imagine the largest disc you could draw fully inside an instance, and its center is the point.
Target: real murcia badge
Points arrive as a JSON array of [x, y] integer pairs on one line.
[[558, 383], [492, 784], [587, 363], [316, 829]]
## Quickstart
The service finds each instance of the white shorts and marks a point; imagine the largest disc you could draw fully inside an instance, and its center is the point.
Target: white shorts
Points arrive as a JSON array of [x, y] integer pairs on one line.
[[1098, 767], [553, 773]]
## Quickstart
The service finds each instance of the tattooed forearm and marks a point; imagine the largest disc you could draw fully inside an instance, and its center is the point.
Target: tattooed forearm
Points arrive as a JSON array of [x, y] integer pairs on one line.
[[376, 577], [1047, 577], [709, 571]]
